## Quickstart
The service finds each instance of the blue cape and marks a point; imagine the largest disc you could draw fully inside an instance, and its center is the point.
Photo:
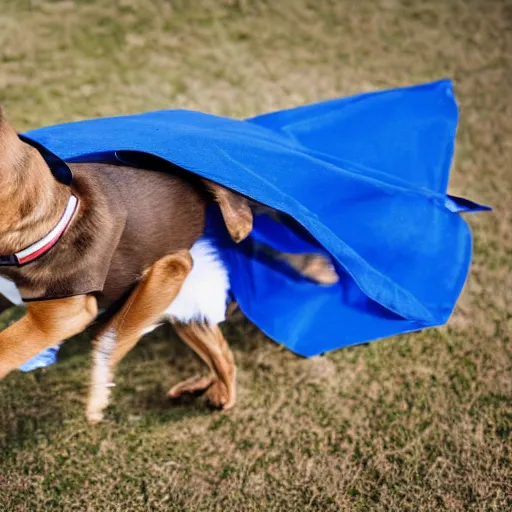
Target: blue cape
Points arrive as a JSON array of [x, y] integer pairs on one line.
[[363, 177]]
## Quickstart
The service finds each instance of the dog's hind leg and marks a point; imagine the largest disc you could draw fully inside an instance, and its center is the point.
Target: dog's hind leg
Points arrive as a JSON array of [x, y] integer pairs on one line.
[[144, 308], [313, 266], [210, 345]]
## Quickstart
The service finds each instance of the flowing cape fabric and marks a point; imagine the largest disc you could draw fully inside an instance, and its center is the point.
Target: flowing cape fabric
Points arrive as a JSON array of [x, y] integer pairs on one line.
[[364, 179]]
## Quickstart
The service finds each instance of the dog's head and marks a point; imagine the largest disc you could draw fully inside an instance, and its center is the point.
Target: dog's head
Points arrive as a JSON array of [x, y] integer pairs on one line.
[[13, 152], [24, 178], [15, 159]]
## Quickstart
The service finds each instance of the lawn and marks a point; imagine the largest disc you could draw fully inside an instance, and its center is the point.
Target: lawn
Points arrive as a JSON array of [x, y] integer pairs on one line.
[[416, 422]]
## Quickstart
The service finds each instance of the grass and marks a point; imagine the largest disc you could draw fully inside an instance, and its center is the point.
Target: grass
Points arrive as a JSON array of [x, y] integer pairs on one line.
[[416, 422]]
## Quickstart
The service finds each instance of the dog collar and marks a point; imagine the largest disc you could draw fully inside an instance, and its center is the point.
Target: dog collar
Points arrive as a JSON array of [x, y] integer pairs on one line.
[[36, 250]]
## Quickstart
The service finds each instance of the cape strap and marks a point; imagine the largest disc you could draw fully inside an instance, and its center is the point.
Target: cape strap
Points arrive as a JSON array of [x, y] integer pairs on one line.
[[38, 249], [60, 169]]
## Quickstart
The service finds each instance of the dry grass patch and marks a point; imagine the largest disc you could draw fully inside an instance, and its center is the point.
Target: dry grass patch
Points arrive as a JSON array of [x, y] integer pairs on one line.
[[419, 422]]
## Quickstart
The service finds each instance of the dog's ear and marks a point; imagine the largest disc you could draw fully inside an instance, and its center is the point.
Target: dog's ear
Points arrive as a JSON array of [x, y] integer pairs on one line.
[[13, 153], [5, 126], [7, 132], [235, 210]]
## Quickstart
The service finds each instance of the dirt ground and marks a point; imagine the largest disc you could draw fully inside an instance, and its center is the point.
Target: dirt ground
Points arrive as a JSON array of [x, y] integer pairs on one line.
[[417, 422]]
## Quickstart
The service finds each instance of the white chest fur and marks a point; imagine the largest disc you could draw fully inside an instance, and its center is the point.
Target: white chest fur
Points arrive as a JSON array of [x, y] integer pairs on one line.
[[204, 293], [9, 290]]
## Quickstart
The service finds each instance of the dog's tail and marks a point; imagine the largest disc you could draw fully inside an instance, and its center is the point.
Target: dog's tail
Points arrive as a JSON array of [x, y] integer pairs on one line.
[[238, 212]]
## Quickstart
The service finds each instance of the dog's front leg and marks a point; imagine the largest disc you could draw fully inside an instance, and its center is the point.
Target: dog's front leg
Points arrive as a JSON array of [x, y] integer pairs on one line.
[[144, 308], [46, 323]]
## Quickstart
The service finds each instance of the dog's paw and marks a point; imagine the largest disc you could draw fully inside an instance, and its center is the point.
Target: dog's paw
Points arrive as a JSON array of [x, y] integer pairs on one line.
[[219, 396], [94, 417], [216, 391], [98, 402], [193, 385]]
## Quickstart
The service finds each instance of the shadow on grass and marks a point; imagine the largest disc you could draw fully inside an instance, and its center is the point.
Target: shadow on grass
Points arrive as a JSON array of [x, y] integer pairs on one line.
[[39, 405]]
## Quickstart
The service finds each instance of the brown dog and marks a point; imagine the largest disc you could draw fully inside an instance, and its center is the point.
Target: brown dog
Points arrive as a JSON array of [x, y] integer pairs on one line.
[[125, 240]]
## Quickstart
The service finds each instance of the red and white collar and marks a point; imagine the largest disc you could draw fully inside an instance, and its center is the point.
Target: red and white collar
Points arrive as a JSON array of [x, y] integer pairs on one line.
[[36, 250]]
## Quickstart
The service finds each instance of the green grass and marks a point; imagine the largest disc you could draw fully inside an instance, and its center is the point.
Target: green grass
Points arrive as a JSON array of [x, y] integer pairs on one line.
[[416, 422]]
